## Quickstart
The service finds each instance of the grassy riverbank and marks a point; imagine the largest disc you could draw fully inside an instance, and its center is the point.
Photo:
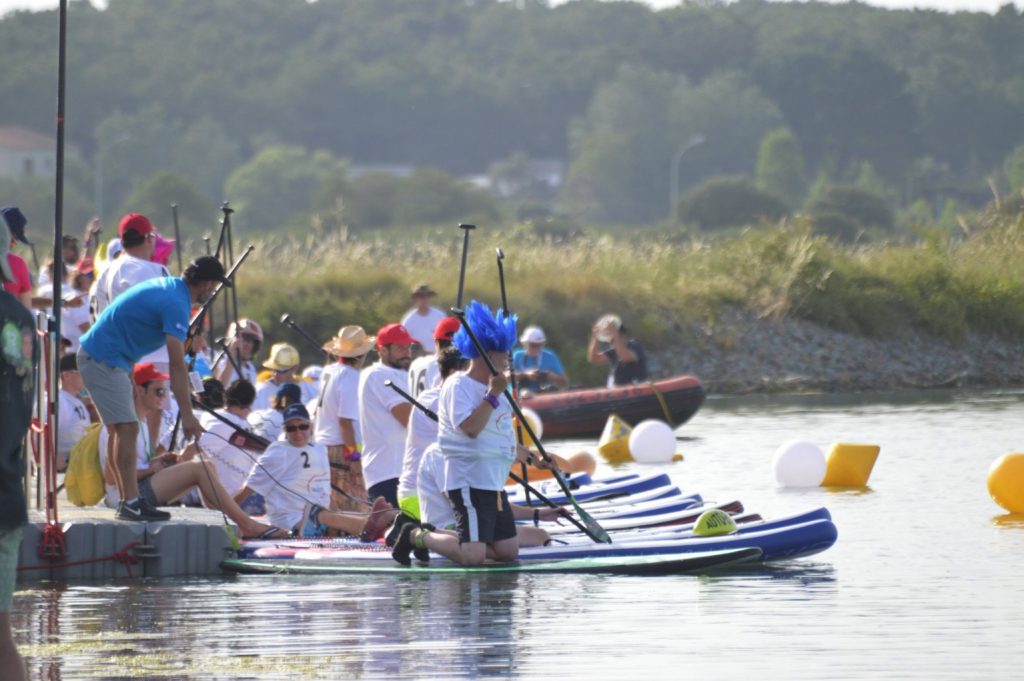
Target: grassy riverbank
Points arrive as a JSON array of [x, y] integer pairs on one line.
[[671, 290]]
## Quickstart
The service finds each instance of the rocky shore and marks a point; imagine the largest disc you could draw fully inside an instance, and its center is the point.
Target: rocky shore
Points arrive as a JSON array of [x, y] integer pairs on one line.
[[743, 353]]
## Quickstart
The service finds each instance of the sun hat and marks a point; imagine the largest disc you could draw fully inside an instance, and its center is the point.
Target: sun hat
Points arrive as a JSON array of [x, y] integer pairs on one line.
[[351, 341], [533, 334], [423, 289], [296, 411], [282, 357], [393, 334], [446, 328], [144, 373]]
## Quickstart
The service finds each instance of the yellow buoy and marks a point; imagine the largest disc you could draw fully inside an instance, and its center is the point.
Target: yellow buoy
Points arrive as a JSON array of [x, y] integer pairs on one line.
[[1006, 482], [714, 522], [849, 465], [614, 442]]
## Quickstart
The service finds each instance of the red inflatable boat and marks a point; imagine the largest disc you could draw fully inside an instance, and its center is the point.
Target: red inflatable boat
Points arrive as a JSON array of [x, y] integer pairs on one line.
[[583, 413]]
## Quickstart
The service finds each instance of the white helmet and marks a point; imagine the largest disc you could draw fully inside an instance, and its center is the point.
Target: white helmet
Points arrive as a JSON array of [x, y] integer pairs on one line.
[[246, 327]]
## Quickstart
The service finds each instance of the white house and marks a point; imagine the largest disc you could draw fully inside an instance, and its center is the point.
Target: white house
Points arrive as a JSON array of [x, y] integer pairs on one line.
[[26, 153]]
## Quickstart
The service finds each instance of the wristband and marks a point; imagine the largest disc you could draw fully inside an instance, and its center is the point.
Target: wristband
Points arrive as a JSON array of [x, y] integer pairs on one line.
[[491, 400], [350, 453]]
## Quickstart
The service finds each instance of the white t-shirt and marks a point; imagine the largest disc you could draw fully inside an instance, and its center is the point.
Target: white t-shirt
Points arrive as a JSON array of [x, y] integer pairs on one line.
[[290, 477], [232, 462], [340, 386], [434, 505], [267, 423], [121, 275], [383, 434], [143, 453], [421, 326], [481, 462], [422, 433], [74, 420], [267, 391], [424, 373]]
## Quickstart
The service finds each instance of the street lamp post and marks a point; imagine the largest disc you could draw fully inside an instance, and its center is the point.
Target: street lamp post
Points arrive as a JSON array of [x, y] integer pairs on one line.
[[673, 201]]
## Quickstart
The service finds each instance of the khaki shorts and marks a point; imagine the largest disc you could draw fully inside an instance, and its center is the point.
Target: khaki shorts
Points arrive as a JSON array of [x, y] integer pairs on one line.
[[10, 543], [110, 389]]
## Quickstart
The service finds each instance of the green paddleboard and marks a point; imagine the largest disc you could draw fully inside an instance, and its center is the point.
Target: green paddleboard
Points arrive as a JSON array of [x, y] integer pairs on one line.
[[679, 563]]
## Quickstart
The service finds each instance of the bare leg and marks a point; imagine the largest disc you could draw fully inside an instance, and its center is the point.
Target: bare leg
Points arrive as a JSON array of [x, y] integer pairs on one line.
[[447, 544], [532, 536], [11, 665], [172, 482], [125, 436]]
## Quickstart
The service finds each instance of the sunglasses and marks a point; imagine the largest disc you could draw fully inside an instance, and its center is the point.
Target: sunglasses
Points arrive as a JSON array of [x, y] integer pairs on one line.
[[301, 426]]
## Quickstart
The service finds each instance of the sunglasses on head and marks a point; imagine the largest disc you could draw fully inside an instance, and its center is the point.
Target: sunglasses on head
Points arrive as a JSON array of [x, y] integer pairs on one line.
[[301, 426]]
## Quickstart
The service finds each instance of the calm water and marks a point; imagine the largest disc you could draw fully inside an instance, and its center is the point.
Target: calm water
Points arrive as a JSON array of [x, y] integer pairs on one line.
[[925, 582]]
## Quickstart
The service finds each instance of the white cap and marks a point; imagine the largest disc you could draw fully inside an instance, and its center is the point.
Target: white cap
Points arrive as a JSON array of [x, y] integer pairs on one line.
[[533, 334], [114, 247]]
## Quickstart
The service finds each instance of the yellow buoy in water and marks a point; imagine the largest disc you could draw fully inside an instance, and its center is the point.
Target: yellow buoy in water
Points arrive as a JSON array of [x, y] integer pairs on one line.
[[614, 442], [849, 465], [1006, 482], [714, 522], [533, 418]]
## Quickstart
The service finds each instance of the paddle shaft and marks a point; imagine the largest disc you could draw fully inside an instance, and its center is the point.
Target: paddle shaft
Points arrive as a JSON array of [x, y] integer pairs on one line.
[[594, 529], [287, 320], [465, 252], [177, 235], [511, 365]]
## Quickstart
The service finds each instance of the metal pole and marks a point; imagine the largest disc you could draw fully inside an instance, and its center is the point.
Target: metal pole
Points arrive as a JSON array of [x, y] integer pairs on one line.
[[177, 235], [673, 201]]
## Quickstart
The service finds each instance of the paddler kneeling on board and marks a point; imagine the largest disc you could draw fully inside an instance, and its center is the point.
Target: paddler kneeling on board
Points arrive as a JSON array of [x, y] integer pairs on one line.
[[477, 440]]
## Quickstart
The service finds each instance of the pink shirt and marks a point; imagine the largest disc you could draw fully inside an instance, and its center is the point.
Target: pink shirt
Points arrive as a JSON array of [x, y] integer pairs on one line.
[[22, 279]]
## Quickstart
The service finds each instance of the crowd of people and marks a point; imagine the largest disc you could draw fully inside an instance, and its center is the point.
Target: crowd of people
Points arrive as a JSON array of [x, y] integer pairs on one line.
[[332, 449]]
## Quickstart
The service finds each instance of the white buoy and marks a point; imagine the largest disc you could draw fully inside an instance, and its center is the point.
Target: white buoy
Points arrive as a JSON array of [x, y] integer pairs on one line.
[[799, 464], [533, 418], [652, 441]]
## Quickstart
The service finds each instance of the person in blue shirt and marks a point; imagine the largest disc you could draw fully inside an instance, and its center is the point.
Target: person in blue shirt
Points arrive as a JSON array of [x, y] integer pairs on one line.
[[150, 314], [537, 368]]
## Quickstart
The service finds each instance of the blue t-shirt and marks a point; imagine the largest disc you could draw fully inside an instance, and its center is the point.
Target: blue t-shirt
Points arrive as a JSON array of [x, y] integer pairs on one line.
[[138, 322], [548, 361]]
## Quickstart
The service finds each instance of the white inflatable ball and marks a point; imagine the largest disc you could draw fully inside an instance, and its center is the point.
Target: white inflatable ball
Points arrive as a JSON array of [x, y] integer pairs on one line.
[[652, 441], [799, 464]]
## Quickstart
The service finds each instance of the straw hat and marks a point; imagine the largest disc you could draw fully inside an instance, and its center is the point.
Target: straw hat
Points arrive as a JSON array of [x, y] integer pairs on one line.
[[282, 357], [351, 341]]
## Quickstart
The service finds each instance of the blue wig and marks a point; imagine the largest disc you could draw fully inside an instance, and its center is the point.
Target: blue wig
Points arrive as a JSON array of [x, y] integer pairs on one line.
[[496, 333]]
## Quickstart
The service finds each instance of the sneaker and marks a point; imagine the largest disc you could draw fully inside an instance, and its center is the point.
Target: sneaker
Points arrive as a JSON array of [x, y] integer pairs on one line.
[[377, 521], [422, 553], [400, 521], [311, 526], [140, 511], [404, 544]]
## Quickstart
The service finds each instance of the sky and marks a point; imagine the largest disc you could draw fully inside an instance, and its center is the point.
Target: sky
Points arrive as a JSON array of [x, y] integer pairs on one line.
[[943, 5]]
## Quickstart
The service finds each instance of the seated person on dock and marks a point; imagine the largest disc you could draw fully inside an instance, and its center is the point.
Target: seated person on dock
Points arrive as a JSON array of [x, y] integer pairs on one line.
[[478, 442], [537, 369], [269, 423], [234, 464], [74, 414], [164, 477], [294, 477], [611, 344]]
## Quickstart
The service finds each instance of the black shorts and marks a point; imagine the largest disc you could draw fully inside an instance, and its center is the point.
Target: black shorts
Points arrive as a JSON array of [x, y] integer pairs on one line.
[[485, 517]]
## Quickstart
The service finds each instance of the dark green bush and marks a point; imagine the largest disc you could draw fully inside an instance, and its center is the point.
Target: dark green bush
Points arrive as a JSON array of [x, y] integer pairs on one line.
[[728, 202], [867, 209]]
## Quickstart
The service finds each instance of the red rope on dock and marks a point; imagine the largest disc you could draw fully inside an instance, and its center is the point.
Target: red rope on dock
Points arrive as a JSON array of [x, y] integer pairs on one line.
[[124, 556]]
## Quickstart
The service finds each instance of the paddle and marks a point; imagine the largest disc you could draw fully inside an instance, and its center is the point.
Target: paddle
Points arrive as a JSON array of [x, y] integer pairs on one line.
[[287, 320], [465, 251], [593, 528], [511, 368], [177, 235], [530, 488]]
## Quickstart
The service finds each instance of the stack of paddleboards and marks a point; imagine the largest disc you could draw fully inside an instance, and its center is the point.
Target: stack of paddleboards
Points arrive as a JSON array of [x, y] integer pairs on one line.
[[650, 521]]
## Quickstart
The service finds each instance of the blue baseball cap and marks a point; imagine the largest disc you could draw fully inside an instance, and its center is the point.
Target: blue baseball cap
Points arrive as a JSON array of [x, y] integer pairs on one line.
[[295, 411], [16, 222], [290, 390]]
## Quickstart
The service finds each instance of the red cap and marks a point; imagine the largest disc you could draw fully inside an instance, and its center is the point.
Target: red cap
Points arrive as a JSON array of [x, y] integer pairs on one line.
[[85, 265], [137, 221], [393, 334], [144, 373], [446, 328]]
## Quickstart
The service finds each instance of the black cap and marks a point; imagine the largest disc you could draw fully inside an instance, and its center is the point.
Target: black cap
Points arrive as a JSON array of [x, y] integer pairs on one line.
[[16, 222], [69, 363], [206, 268]]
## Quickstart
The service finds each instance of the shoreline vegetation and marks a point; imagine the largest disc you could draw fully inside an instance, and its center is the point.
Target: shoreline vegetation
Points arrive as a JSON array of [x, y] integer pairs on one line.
[[773, 308]]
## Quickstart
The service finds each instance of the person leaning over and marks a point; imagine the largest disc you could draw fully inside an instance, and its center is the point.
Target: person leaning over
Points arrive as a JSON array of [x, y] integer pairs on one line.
[[477, 440], [384, 414], [337, 414], [19, 351], [610, 343], [151, 314], [537, 368]]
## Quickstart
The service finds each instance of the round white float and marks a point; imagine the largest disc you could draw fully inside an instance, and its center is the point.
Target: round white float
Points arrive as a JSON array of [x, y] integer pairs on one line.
[[799, 464], [652, 441]]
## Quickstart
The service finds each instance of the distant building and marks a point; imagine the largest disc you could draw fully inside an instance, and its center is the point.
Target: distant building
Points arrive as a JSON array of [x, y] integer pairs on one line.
[[27, 153]]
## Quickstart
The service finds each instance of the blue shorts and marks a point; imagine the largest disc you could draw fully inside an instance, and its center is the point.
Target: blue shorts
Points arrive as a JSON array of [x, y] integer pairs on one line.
[[482, 515]]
